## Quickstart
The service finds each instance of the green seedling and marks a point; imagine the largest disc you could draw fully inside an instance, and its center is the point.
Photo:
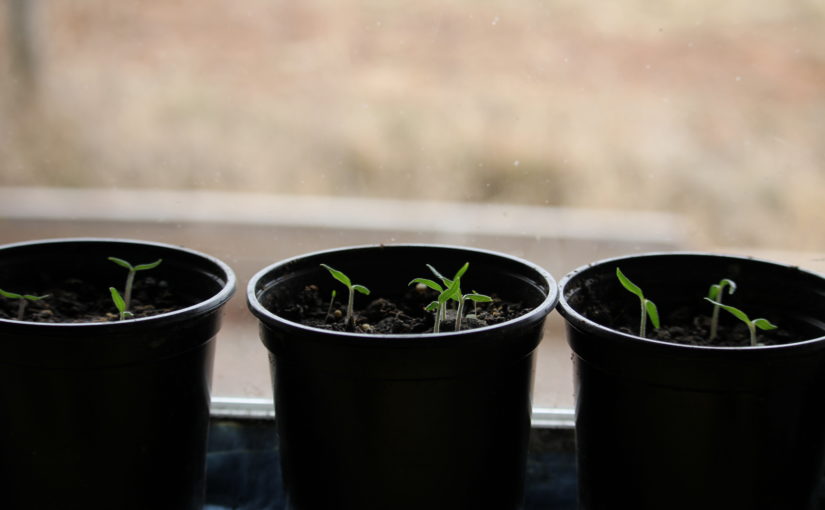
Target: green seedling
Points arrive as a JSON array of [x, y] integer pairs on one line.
[[341, 277], [439, 306], [130, 278], [23, 301], [451, 290], [120, 304], [763, 324], [477, 298], [715, 294], [648, 307]]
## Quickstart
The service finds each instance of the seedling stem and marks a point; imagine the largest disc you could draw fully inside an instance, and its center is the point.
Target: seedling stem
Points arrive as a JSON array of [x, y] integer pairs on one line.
[[331, 303], [715, 293]]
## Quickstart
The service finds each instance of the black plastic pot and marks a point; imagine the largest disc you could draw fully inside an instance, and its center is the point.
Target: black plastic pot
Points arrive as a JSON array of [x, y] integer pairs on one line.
[[403, 421], [111, 414], [661, 425]]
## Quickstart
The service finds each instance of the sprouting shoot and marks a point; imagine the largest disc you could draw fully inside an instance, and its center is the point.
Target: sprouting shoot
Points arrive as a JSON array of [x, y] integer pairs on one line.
[[130, 277], [451, 290], [341, 277], [120, 304], [715, 294], [648, 307], [23, 301], [753, 324]]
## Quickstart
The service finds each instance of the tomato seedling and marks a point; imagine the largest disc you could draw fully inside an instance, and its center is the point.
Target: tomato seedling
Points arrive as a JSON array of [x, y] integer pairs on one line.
[[130, 277], [763, 324], [341, 277], [23, 301], [715, 294], [451, 290], [648, 307]]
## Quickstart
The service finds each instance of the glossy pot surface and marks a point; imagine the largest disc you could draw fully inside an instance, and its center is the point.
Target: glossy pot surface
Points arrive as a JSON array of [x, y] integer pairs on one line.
[[663, 425]]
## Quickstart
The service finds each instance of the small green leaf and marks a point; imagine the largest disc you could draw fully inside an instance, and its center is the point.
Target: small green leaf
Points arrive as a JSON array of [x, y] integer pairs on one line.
[[652, 312], [730, 284], [764, 324], [436, 273], [432, 306], [151, 265], [10, 295], [739, 314], [718, 288], [361, 289], [478, 298], [451, 292], [429, 283], [120, 304], [461, 271], [122, 263], [338, 275], [627, 284]]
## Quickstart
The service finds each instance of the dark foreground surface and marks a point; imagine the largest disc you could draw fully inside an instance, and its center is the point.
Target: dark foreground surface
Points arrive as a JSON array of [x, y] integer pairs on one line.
[[243, 472]]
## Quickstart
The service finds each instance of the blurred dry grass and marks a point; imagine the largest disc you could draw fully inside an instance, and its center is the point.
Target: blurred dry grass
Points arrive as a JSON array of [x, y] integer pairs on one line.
[[714, 110]]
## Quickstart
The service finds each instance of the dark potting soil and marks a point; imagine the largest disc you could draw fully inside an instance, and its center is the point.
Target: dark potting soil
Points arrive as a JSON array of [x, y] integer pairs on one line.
[[392, 315], [75, 300]]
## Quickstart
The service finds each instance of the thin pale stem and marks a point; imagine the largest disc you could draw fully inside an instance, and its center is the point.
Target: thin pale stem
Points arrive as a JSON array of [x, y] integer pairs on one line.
[[438, 312], [459, 311], [714, 322], [21, 308], [643, 321], [127, 292], [329, 310], [752, 328], [350, 305]]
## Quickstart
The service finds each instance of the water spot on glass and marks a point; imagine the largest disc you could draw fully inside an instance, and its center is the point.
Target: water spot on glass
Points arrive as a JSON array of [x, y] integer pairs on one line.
[[495, 21], [738, 78], [516, 163]]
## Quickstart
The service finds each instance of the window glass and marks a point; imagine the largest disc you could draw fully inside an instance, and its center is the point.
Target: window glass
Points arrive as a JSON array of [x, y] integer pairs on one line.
[[559, 131]]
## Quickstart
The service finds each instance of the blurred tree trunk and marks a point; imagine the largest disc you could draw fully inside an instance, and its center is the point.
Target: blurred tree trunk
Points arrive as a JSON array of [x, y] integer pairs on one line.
[[24, 48]]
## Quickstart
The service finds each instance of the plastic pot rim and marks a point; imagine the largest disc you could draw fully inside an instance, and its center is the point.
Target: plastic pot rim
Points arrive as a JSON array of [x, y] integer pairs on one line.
[[576, 320], [537, 314], [202, 307]]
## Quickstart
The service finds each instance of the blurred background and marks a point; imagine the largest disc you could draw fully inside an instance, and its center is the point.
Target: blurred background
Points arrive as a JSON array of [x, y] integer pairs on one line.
[[710, 115]]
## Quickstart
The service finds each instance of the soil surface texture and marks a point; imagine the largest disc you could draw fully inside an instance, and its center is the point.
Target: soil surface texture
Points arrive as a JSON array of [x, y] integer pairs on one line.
[[689, 325], [392, 315], [75, 301]]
